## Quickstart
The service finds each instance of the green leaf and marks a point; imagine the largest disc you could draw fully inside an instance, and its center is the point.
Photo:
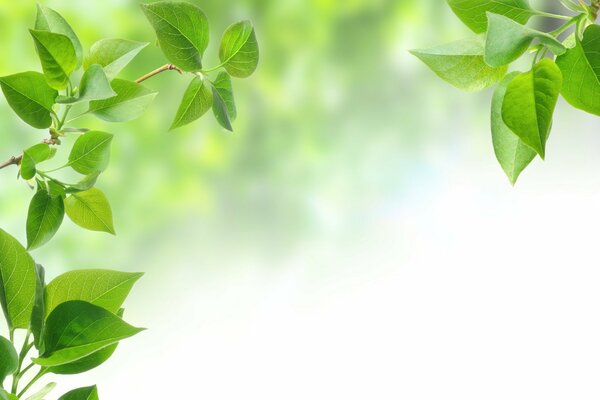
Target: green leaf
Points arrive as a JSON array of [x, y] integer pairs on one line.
[[182, 31], [507, 40], [85, 364], [35, 155], [30, 97], [49, 20], [104, 288], [91, 152], [76, 329], [461, 64], [473, 12], [131, 101], [4, 395], [57, 56], [512, 154], [113, 55], [43, 392], [529, 104], [9, 360], [90, 210], [86, 183], [581, 71], [85, 393], [239, 50], [94, 86], [223, 101], [17, 282], [44, 218], [197, 100], [38, 315]]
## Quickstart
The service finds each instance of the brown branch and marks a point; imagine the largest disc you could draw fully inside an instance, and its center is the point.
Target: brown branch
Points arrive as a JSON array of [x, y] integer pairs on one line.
[[14, 160], [167, 67]]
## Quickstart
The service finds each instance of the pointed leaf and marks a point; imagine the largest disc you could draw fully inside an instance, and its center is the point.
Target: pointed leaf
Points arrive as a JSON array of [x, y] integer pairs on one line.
[[90, 210], [30, 97], [507, 40], [85, 393], [197, 100], [182, 31], [44, 218], [529, 104], [17, 282], [9, 360], [38, 315], [113, 55], [57, 56], [512, 154], [473, 12], [43, 392], [91, 152], [49, 20], [461, 64], [239, 50], [94, 86], [76, 329], [131, 101], [223, 101]]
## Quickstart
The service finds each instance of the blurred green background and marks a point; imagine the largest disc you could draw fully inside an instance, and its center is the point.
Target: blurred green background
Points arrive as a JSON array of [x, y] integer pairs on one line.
[[350, 165]]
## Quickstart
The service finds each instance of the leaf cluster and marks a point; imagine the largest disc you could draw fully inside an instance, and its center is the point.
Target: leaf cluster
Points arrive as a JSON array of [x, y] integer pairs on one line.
[[565, 62]]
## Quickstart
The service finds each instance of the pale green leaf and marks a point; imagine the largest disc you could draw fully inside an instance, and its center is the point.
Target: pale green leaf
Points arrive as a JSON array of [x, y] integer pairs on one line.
[[473, 12], [239, 50], [43, 392], [34, 155], [131, 101], [113, 55], [49, 20], [90, 210], [94, 86], [197, 100], [84, 393], [91, 152]]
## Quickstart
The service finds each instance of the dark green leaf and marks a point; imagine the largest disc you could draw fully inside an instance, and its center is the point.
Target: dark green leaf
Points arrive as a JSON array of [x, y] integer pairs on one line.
[[91, 152], [113, 55], [197, 100], [38, 315], [44, 218], [182, 31], [9, 360], [50, 20], [223, 101], [30, 97], [85, 393], [90, 210], [461, 64], [57, 56], [17, 282], [94, 86], [514, 155], [473, 12], [131, 101], [529, 104], [35, 155], [76, 329], [239, 50]]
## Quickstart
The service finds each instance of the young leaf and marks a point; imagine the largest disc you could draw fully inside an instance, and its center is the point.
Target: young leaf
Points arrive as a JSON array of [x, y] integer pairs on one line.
[[43, 392], [17, 282], [90, 210], [30, 97], [113, 55], [57, 56], [223, 101], [35, 155], [85, 393], [473, 12], [507, 40], [9, 360], [182, 31], [104, 288], [197, 100], [91, 152], [461, 64], [581, 71], [512, 154], [49, 20], [86, 183], [38, 315], [529, 104], [45, 216], [239, 50], [131, 101], [76, 329], [94, 86]]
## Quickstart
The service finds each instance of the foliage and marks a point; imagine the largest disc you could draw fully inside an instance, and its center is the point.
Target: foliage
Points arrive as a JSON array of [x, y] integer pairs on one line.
[[524, 102], [75, 322]]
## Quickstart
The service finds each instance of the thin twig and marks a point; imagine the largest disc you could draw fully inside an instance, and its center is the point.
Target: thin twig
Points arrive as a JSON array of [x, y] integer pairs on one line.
[[167, 67], [14, 160]]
